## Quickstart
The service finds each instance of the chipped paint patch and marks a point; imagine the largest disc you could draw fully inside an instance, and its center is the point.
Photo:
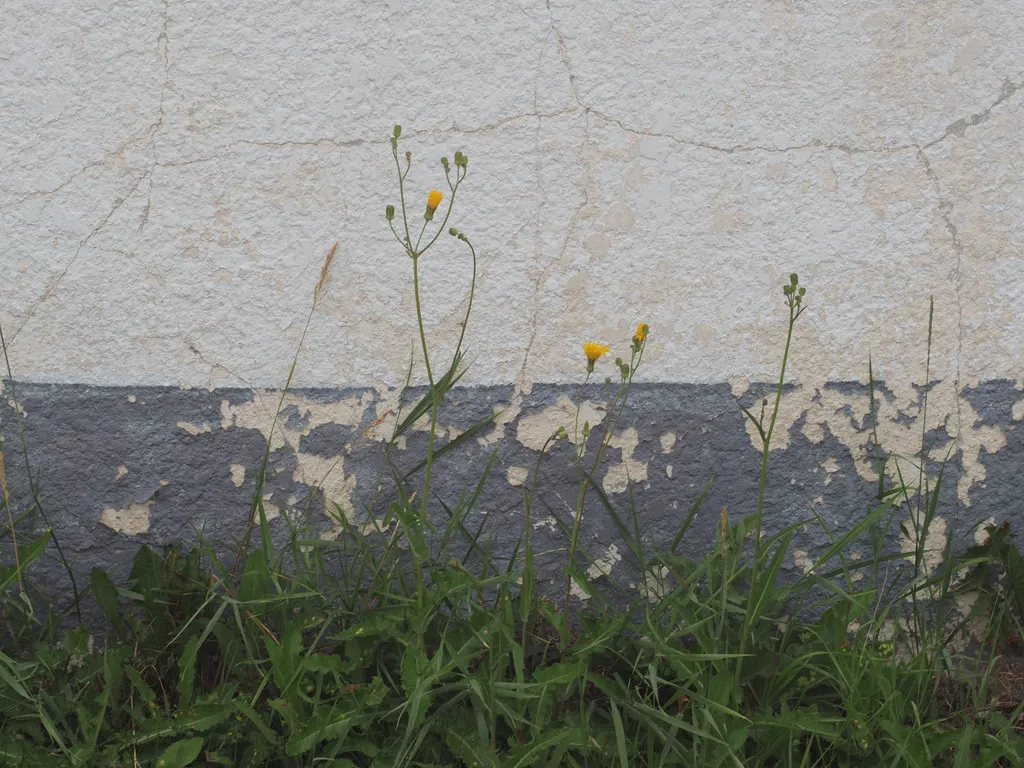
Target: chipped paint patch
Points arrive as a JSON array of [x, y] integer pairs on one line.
[[132, 520], [237, 474], [328, 476], [656, 583], [1017, 412], [122, 470], [668, 441], [932, 547], [618, 476], [847, 417], [803, 560], [193, 429], [517, 475], [548, 522], [535, 429]]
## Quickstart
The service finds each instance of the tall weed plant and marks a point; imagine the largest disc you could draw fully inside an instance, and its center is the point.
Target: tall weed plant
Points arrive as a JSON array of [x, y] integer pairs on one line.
[[408, 642]]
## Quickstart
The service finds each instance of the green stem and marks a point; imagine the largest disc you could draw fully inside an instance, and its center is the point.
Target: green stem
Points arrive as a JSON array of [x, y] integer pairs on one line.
[[526, 593], [614, 415], [768, 437], [748, 616], [401, 194], [32, 483], [433, 418]]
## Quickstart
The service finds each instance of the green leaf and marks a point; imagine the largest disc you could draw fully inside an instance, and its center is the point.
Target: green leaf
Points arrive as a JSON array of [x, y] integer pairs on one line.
[[180, 753], [620, 734], [27, 555], [145, 692], [326, 726], [254, 577], [187, 671], [106, 595]]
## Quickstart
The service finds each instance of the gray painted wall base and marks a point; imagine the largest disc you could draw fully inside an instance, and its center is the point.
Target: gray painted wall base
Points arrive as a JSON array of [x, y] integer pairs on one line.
[[124, 466]]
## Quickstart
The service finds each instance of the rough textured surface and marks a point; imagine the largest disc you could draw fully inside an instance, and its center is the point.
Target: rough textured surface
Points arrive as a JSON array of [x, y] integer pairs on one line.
[[172, 174]]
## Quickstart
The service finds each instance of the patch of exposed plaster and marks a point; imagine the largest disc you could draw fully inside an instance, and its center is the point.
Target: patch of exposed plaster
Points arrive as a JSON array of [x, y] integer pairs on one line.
[[122, 470], [803, 560], [1018, 411], [932, 546], [618, 476], [323, 473], [535, 429], [656, 583], [237, 474], [131, 520], [848, 417], [517, 475], [328, 476], [668, 441], [600, 566], [193, 429]]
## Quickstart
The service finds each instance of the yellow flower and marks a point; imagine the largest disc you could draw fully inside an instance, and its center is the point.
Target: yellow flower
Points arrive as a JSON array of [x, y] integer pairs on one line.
[[593, 351], [641, 333], [433, 200]]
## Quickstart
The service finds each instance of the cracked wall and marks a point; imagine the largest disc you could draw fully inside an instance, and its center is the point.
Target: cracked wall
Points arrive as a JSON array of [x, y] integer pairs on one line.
[[172, 174]]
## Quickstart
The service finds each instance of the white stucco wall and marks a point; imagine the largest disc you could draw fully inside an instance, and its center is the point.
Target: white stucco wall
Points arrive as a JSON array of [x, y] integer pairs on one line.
[[173, 173]]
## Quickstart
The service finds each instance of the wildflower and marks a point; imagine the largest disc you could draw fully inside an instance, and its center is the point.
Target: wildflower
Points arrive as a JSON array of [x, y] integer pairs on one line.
[[641, 333], [433, 200], [593, 350]]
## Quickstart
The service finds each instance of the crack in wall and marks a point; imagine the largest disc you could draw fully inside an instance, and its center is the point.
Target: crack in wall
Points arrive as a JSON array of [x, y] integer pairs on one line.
[[118, 202]]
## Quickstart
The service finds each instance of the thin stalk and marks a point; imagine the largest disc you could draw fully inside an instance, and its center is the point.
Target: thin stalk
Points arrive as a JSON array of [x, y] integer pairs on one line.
[[526, 592], [768, 438], [10, 519], [614, 415], [433, 417], [32, 484]]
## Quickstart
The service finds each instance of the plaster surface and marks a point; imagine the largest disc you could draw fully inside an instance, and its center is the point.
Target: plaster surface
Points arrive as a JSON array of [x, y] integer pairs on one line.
[[172, 174]]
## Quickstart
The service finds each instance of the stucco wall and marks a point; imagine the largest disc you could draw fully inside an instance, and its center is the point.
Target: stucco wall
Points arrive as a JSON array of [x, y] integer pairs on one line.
[[173, 173]]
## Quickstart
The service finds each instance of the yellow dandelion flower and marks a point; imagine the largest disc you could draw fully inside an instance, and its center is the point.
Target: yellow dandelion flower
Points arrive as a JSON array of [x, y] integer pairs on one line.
[[641, 333], [594, 351], [433, 200]]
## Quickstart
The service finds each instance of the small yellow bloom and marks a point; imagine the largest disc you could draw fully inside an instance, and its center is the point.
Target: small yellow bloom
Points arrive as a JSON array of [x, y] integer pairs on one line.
[[594, 351], [433, 200], [641, 333]]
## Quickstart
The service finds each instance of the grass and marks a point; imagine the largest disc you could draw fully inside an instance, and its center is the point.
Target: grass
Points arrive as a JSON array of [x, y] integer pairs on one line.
[[416, 644]]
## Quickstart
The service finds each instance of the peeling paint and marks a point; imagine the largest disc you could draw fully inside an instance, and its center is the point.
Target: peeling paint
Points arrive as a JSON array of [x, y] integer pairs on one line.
[[668, 440], [131, 520], [237, 474], [618, 476], [517, 475], [601, 566], [535, 429], [847, 418], [194, 430]]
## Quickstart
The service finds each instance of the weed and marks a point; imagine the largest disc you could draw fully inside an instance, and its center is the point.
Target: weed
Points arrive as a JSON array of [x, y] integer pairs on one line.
[[408, 642]]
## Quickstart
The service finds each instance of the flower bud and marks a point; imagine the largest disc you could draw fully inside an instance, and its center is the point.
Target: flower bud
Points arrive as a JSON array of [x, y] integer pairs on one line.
[[586, 429], [389, 212], [397, 131], [453, 232], [794, 279], [433, 200], [444, 164]]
